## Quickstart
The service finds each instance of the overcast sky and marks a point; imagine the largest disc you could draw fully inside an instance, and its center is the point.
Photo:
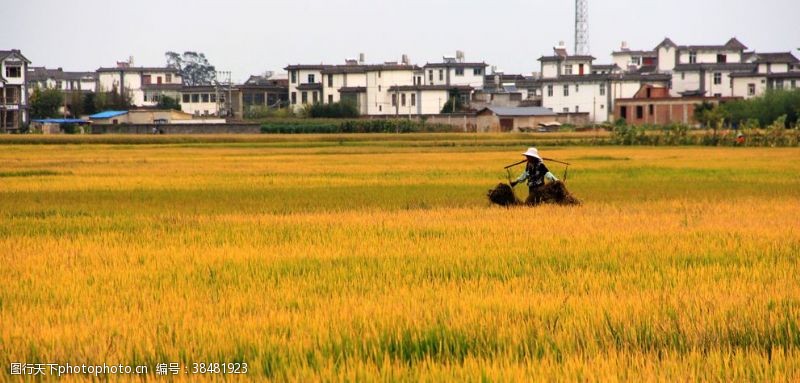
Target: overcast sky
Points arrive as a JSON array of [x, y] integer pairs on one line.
[[250, 37]]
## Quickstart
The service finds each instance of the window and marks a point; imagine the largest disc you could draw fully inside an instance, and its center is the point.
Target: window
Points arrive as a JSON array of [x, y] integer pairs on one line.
[[168, 78], [441, 75], [636, 60], [213, 97], [778, 84], [477, 71], [330, 81], [751, 89], [294, 76], [577, 88], [717, 95], [722, 59], [294, 97], [379, 74], [304, 97], [394, 99], [651, 109], [185, 98], [683, 75], [146, 80], [311, 78], [379, 88], [549, 91], [602, 89], [566, 90], [639, 112], [717, 78], [330, 99], [623, 112], [59, 85], [413, 99], [205, 97], [577, 109], [568, 69], [692, 57], [430, 76], [158, 80], [565, 110], [794, 84], [314, 97], [195, 98], [13, 71], [459, 71], [403, 99]]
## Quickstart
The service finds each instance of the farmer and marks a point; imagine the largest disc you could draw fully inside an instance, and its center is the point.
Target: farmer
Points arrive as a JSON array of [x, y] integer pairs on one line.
[[536, 173]]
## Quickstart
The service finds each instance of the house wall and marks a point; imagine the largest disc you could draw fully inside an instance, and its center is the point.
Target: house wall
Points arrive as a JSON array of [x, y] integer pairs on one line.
[[666, 58], [773, 68], [302, 78], [20, 84], [379, 99], [661, 112], [741, 86], [709, 56], [341, 80], [586, 98]]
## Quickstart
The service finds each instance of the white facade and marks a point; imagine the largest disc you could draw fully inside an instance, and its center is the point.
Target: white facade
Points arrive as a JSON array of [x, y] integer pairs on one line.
[[13, 90], [200, 101], [305, 85], [579, 96], [144, 85]]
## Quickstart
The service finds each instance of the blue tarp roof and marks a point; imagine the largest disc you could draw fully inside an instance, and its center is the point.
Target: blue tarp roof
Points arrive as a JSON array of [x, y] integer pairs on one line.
[[108, 114], [61, 121]]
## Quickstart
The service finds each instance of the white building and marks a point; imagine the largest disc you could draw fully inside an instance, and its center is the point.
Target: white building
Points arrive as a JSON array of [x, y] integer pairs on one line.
[[574, 85], [771, 71], [144, 85], [399, 89], [726, 70], [13, 90], [43, 78]]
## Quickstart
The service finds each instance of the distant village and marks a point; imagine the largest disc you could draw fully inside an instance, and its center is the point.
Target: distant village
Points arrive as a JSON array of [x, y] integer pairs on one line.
[[658, 85]]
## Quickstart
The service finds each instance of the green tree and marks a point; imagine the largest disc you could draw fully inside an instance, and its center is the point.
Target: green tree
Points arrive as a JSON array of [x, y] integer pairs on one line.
[[89, 103], [167, 102], [193, 66], [45, 103], [453, 104]]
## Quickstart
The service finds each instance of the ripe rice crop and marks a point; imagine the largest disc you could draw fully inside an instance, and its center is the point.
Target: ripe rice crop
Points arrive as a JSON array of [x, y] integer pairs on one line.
[[380, 262]]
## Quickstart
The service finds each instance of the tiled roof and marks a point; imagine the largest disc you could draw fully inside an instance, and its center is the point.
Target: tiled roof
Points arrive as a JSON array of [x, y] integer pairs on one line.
[[740, 67], [777, 58], [42, 73], [4, 54], [140, 69], [567, 58], [405, 88], [456, 65], [529, 111]]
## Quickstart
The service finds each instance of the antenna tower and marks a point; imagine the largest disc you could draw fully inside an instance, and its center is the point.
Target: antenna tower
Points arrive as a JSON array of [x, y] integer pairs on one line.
[[581, 27]]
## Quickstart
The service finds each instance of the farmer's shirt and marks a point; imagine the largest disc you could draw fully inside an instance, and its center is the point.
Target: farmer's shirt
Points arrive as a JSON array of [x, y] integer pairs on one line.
[[535, 174]]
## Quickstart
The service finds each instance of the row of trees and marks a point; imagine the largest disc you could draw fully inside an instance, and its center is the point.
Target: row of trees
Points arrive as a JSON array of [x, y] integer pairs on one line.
[[53, 103], [758, 112]]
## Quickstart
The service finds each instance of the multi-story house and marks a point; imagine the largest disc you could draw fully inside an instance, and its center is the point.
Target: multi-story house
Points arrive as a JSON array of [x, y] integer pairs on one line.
[[13, 90], [144, 85], [43, 78], [455, 71], [573, 84], [305, 84], [772, 71], [377, 89], [726, 70]]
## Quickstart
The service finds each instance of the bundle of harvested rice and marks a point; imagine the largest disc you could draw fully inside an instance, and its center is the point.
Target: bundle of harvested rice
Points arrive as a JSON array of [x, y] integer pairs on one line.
[[554, 192], [503, 195]]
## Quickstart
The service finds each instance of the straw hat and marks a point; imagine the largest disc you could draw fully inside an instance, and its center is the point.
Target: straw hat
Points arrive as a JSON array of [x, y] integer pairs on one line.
[[532, 152]]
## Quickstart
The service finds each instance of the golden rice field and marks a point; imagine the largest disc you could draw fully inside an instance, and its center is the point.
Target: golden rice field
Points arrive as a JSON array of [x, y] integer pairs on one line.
[[381, 260]]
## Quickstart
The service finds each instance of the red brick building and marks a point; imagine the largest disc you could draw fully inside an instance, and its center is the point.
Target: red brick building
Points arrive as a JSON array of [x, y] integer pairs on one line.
[[654, 105]]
